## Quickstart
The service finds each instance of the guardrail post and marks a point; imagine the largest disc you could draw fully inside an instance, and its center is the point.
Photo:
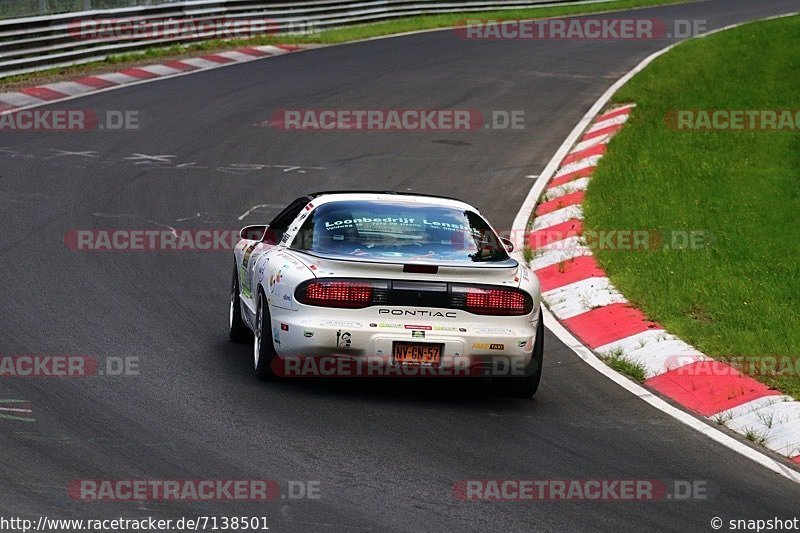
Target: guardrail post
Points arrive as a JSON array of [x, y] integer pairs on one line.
[[87, 5], [42, 7]]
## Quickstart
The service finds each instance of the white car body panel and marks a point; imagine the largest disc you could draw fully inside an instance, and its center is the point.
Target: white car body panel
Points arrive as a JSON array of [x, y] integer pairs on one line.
[[299, 329]]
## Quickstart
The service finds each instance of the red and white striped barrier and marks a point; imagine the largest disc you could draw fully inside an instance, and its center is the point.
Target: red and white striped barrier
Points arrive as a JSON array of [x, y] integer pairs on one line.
[[62, 90], [578, 292]]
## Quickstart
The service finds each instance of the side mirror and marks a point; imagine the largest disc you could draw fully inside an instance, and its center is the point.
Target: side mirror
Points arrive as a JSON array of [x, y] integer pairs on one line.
[[253, 233], [508, 244]]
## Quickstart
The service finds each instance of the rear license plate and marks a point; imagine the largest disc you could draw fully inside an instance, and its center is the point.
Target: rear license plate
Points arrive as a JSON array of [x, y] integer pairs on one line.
[[415, 353]]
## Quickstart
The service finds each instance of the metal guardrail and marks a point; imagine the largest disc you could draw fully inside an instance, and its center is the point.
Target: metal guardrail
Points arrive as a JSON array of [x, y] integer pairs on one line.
[[38, 43], [32, 8]]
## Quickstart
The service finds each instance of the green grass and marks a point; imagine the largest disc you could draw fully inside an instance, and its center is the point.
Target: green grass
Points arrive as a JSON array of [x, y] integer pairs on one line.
[[527, 254], [624, 365], [350, 33], [740, 294]]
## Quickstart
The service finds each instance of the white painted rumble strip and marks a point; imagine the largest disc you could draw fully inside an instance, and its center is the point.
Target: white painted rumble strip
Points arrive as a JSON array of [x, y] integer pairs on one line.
[[578, 165], [594, 141], [768, 416], [581, 296], [236, 56], [624, 107], [557, 217], [199, 62], [773, 419], [579, 184], [274, 50], [614, 121], [752, 405], [638, 340], [160, 70], [70, 88], [784, 439], [655, 349], [559, 251], [665, 356], [20, 99], [117, 77]]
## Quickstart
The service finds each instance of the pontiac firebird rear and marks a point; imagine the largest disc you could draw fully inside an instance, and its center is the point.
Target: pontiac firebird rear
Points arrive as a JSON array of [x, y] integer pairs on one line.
[[409, 281]]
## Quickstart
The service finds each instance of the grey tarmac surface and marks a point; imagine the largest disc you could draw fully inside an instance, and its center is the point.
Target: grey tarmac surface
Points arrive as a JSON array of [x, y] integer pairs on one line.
[[386, 454]]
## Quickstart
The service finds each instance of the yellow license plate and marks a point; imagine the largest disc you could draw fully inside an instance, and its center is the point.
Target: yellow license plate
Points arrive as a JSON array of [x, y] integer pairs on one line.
[[413, 353]]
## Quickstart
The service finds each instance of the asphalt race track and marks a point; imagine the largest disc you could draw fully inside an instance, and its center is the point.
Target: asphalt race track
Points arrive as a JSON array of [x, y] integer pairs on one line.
[[386, 455]]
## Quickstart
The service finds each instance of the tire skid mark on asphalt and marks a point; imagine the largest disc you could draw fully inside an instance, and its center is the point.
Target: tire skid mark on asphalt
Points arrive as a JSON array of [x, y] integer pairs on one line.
[[17, 410]]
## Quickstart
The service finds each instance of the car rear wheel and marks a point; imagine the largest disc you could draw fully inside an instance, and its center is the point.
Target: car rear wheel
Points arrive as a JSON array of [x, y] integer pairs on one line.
[[527, 385], [237, 329], [263, 349]]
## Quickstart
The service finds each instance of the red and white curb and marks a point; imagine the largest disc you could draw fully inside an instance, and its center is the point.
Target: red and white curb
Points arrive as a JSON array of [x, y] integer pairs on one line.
[[64, 90], [581, 296]]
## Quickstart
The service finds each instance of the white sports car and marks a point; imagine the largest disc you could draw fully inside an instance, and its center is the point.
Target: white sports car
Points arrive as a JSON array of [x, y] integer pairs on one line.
[[401, 281]]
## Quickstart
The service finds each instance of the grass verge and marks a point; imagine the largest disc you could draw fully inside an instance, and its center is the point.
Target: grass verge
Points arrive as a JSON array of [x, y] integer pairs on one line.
[[738, 293], [338, 35]]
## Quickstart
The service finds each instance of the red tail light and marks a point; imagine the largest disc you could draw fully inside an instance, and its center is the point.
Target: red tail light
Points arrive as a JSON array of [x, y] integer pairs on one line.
[[342, 293], [492, 301]]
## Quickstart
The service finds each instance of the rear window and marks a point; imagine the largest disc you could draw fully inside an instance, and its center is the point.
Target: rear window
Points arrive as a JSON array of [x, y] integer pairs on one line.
[[396, 231]]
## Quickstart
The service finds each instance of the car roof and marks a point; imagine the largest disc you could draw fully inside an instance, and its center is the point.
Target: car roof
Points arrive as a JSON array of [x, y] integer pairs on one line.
[[410, 197]]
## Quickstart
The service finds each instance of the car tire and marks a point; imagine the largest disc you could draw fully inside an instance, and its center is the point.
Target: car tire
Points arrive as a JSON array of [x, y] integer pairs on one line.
[[263, 348], [237, 329], [527, 385]]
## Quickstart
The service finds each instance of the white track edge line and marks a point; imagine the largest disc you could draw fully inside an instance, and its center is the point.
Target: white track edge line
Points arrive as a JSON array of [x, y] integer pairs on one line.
[[682, 416], [565, 336]]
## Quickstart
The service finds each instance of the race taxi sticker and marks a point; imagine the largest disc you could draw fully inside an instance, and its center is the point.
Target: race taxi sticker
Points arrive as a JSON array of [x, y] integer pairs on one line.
[[488, 346]]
